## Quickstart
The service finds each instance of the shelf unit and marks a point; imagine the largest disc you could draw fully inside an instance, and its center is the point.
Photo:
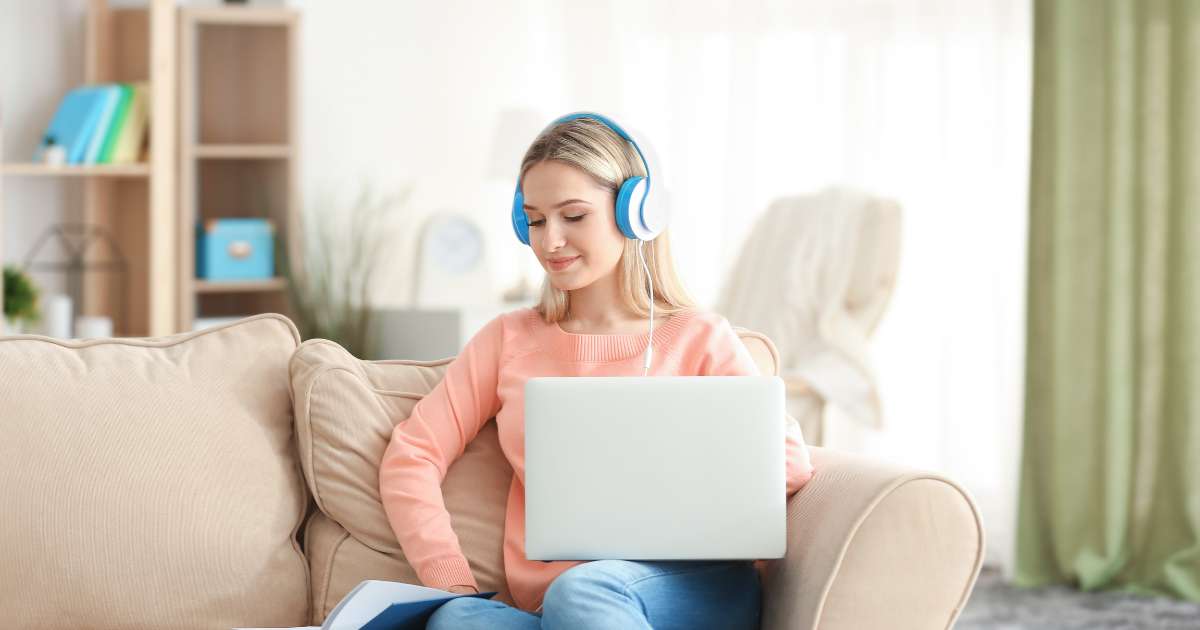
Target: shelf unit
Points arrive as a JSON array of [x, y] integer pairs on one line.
[[33, 169], [135, 203], [238, 145]]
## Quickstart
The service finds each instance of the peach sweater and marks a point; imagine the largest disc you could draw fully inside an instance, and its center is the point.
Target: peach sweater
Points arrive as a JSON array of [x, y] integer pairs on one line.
[[488, 379]]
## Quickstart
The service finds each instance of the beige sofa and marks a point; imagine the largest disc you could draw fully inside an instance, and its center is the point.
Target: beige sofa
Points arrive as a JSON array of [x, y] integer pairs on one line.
[[228, 478]]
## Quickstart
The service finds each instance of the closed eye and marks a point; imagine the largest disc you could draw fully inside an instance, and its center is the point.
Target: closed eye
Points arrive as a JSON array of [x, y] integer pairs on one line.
[[574, 219]]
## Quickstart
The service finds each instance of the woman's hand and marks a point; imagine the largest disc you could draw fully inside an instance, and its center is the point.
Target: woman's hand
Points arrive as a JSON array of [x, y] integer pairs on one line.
[[463, 590]]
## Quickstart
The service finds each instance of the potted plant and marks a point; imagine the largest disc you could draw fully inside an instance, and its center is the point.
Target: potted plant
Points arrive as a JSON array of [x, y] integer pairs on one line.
[[329, 283], [20, 300]]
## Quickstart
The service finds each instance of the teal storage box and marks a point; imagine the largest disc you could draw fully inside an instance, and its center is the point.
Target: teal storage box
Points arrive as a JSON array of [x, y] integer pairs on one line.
[[235, 249]]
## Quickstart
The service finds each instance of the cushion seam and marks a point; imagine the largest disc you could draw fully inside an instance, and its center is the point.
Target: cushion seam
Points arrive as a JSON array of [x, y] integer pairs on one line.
[[329, 574], [142, 342]]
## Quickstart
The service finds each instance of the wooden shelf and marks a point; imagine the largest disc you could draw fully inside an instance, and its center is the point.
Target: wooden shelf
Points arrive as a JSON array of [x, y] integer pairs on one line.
[[243, 16], [34, 169], [135, 204], [239, 146], [240, 286], [242, 151]]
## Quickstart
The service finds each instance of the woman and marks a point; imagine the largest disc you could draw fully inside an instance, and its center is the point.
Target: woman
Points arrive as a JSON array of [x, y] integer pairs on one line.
[[592, 320]]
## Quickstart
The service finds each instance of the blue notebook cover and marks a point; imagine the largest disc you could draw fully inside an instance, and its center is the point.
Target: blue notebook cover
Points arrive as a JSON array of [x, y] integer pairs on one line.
[[384, 605], [412, 615], [73, 123]]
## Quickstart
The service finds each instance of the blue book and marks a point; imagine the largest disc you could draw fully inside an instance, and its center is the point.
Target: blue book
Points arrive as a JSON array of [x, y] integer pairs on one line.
[[110, 98], [74, 122], [383, 605]]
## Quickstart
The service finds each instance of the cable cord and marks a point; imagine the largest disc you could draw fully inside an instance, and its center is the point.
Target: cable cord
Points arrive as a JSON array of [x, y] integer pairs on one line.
[[650, 341]]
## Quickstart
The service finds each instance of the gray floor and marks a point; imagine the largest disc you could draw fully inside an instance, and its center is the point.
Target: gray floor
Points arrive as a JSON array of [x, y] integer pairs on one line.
[[995, 605]]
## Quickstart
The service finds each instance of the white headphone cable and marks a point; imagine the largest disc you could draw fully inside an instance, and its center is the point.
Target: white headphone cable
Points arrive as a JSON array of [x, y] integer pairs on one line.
[[650, 341]]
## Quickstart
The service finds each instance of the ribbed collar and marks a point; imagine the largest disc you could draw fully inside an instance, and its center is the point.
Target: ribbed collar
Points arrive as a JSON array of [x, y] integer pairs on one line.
[[600, 348]]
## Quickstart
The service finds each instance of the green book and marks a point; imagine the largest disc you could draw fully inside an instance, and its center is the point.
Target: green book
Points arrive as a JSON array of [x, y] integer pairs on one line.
[[118, 123], [133, 132]]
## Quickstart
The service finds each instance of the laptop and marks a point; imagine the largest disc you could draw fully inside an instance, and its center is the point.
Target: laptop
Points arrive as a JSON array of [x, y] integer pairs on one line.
[[655, 468]]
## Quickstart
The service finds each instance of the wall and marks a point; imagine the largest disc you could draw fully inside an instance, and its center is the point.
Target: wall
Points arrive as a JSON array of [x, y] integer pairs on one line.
[[410, 94], [41, 45]]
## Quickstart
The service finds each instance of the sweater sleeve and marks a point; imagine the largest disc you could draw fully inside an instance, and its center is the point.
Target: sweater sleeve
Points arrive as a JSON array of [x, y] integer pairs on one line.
[[726, 355], [423, 447]]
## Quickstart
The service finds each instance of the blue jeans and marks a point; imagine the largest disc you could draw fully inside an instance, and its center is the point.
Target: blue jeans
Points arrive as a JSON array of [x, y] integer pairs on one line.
[[625, 595]]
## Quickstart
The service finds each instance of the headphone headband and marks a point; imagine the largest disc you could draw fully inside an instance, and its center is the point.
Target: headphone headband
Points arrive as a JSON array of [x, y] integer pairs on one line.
[[630, 211], [611, 124]]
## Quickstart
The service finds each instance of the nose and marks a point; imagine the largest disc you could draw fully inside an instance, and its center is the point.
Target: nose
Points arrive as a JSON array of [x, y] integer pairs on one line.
[[552, 238]]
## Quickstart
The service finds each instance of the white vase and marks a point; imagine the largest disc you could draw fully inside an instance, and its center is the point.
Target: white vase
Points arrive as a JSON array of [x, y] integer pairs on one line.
[[57, 316], [13, 327]]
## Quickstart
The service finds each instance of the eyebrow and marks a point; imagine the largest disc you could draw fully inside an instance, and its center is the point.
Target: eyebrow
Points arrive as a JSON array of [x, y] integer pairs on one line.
[[559, 204]]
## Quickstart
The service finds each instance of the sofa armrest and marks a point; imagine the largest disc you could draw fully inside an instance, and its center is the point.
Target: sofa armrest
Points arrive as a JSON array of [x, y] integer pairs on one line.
[[874, 545]]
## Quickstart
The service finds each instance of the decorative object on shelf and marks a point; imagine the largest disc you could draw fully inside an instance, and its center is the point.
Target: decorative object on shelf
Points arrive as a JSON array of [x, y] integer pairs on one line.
[[53, 154], [78, 240], [235, 249], [20, 300], [339, 254], [449, 267], [93, 327], [58, 315]]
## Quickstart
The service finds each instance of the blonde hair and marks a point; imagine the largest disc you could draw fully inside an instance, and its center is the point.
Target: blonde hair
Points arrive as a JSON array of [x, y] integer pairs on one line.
[[592, 147]]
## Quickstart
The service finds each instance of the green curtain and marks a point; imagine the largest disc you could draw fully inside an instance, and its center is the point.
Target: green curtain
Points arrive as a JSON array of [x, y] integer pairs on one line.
[[1110, 474]]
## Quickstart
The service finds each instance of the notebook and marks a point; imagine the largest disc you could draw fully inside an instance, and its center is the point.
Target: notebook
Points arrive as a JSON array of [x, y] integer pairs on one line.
[[133, 132], [384, 605], [109, 97], [119, 117], [74, 122]]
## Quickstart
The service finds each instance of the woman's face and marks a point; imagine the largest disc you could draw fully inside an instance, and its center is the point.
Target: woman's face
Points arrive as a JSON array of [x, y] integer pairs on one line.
[[571, 216]]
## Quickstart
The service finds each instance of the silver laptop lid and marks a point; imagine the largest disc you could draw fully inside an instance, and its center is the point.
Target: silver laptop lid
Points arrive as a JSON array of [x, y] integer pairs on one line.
[[661, 467]]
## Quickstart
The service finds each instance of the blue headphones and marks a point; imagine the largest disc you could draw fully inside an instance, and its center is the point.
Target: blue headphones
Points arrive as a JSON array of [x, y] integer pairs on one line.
[[634, 219]]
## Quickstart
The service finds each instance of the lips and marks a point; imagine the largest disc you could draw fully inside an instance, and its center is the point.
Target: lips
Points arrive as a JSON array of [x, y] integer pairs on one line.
[[557, 264]]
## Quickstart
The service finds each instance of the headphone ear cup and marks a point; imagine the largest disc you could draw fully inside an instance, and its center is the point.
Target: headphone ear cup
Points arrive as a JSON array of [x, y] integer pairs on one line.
[[654, 219], [628, 208], [520, 222]]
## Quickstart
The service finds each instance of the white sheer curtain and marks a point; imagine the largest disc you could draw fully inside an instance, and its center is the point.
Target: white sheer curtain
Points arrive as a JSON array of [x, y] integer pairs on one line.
[[925, 101]]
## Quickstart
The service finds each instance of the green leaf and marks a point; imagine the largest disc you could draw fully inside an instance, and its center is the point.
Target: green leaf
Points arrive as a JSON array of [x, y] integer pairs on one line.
[[20, 296]]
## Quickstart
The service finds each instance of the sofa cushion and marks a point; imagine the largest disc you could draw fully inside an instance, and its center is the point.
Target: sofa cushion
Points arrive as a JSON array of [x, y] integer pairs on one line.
[[151, 483], [346, 410]]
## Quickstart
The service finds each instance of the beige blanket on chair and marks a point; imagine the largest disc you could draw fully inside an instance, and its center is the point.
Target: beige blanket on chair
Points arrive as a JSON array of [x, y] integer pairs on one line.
[[793, 280]]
